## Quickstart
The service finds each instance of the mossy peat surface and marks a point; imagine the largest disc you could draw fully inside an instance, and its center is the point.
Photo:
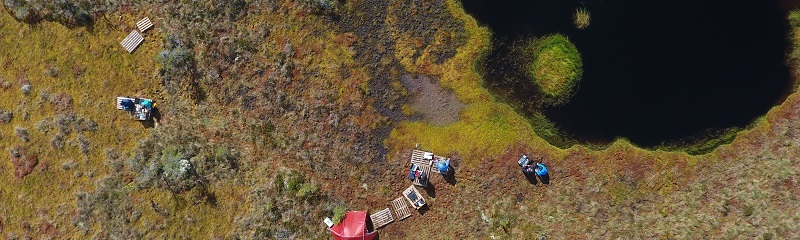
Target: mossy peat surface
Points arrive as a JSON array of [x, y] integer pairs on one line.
[[654, 72]]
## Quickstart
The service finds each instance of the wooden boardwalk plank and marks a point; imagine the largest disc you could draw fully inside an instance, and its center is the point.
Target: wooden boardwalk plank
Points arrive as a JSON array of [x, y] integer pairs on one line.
[[381, 218], [144, 24], [132, 41], [400, 208]]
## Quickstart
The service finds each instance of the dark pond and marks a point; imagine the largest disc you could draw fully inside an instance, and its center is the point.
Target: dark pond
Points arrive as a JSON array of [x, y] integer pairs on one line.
[[655, 71]]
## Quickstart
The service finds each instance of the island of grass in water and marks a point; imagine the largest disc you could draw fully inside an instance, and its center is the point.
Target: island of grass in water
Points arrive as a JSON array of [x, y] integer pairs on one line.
[[556, 68]]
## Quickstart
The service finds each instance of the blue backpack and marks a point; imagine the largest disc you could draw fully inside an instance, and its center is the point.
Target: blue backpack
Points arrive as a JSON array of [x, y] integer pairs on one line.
[[411, 173], [541, 170]]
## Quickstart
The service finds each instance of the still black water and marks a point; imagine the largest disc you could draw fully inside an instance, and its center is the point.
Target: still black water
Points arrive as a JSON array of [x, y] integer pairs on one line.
[[655, 71]]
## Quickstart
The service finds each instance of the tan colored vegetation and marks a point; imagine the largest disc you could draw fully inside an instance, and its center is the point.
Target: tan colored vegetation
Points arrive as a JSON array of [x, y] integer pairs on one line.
[[582, 18]]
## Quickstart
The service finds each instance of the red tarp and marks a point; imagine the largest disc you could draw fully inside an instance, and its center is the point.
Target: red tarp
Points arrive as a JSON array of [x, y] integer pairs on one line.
[[353, 226]]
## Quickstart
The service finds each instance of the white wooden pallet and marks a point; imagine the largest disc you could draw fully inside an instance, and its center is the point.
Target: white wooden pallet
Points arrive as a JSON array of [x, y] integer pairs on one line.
[[144, 24], [119, 101], [132, 41], [418, 157]]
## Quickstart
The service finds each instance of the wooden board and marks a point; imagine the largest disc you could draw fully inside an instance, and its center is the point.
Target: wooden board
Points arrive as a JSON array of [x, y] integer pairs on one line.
[[119, 101], [132, 41], [144, 24], [417, 157], [427, 170], [400, 208], [381, 218]]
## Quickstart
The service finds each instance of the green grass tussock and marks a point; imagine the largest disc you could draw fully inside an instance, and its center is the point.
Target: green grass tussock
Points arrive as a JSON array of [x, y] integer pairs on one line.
[[556, 68]]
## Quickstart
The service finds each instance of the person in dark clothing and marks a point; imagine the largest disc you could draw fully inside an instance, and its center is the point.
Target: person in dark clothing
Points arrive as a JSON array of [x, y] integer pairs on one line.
[[128, 105]]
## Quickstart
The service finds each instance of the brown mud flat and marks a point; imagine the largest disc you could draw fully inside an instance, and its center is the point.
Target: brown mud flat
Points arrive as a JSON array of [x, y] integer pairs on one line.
[[431, 102]]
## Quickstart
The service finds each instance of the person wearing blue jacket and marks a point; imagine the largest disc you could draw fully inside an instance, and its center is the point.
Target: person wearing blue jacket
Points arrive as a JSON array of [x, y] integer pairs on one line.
[[541, 170]]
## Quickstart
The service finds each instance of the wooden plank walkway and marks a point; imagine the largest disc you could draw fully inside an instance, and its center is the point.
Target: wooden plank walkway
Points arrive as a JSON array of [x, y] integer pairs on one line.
[[132, 41], [414, 197], [381, 218], [144, 24], [400, 208]]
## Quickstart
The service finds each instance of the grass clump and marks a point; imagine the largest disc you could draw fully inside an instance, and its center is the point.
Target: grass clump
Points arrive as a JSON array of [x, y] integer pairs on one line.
[[321, 7], [338, 214], [5, 116], [22, 133], [177, 66], [556, 68], [177, 171], [581, 18], [794, 21]]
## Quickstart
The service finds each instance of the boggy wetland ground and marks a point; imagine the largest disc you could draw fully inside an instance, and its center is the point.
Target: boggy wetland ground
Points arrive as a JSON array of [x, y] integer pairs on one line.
[[292, 111]]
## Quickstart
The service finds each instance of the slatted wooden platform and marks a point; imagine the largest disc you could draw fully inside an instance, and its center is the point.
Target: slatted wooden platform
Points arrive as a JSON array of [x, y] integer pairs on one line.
[[144, 24], [418, 157], [132, 41], [412, 195], [400, 207], [381, 218], [119, 101], [418, 180]]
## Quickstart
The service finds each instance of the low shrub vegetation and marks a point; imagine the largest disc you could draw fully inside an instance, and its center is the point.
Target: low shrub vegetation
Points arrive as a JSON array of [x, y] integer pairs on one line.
[[282, 208], [5, 116], [22, 133], [71, 13]]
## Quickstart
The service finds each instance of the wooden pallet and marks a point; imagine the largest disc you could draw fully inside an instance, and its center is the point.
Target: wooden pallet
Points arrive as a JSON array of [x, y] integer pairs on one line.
[[400, 208], [418, 157], [381, 218], [423, 183], [132, 41], [119, 101], [413, 191], [144, 24]]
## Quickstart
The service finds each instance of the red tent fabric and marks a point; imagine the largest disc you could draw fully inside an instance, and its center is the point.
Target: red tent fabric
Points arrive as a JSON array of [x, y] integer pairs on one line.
[[353, 226]]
